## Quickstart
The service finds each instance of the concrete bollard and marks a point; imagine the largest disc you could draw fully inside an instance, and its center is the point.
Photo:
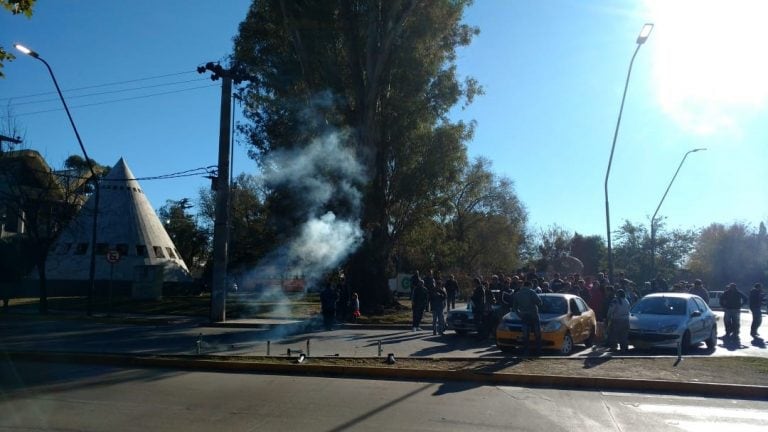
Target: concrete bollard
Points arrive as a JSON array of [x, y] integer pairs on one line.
[[269, 343]]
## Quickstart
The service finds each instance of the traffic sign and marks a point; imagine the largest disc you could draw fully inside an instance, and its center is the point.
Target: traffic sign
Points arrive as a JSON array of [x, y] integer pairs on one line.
[[113, 256]]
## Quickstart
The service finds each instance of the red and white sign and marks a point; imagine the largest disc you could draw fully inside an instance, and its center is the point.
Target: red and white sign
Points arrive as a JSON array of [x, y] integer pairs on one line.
[[113, 256]]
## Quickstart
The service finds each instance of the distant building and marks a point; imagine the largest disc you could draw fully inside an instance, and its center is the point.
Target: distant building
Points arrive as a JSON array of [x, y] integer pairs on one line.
[[34, 197], [127, 224]]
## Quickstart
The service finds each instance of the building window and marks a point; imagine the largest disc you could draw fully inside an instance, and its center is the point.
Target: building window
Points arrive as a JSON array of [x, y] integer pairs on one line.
[[170, 253], [122, 249], [158, 252], [141, 250], [81, 249]]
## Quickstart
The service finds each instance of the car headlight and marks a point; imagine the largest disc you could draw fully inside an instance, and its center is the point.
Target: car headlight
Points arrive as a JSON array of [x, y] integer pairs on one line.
[[551, 326], [668, 329]]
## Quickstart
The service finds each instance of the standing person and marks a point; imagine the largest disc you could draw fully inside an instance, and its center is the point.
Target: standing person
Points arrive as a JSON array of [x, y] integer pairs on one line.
[[618, 316], [602, 313], [355, 303], [328, 299], [526, 304], [699, 290], [437, 303], [731, 301], [451, 288], [478, 301], [429, 283], [755, 303], [415, 278], [419, 301]]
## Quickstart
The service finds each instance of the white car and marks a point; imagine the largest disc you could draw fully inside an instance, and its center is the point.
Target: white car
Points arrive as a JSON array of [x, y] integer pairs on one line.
[[666, 319]]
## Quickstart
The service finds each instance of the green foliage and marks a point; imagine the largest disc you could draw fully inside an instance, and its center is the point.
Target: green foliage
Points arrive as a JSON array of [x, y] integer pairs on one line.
[[735, 253], [190, 239], [251, 235], [591, 251], [16, 7], [383, 70]]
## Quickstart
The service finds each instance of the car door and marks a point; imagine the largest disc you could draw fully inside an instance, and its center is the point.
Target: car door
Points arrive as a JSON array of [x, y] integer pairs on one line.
[[577, 321], [696, 324], [707, 318]]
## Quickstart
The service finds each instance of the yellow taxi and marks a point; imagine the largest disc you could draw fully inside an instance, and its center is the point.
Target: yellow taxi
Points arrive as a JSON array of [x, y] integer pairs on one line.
[[566, 320]]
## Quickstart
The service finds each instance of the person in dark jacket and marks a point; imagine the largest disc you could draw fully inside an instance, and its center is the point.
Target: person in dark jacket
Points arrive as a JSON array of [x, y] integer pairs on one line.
[[755, 303], [699, 290], [328, 299], [419, 302], [731, 300], [451, 289], [526, 304]]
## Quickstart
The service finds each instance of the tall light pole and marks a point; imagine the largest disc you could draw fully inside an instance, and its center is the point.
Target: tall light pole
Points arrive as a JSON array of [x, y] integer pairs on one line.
[[644, 33], [92, 269], [653, 218]]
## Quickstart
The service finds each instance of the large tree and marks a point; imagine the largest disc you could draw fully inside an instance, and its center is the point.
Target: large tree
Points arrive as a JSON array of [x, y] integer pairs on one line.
[[383, 73], [190, 239]]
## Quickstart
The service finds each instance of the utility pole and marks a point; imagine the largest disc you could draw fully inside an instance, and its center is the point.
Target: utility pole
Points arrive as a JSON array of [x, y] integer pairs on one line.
[[221, 222]]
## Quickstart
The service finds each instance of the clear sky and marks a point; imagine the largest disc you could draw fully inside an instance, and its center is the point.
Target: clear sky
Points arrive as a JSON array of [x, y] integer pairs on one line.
[[553, 72]]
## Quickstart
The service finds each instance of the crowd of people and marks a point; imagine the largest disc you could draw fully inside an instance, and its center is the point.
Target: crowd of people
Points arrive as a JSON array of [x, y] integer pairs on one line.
[[493, 297]]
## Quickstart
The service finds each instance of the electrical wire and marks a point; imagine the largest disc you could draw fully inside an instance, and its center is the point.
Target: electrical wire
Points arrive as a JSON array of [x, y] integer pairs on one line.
[[201, 171], [99, 85], [13, 105], [110, 101]]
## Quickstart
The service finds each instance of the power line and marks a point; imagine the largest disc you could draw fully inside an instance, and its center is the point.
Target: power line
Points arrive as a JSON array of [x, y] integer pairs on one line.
[[201, 171], [111, 101], [110, 92], [99, 85]]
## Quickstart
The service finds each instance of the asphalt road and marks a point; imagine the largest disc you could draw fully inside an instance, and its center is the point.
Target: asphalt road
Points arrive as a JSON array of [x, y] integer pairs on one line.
[[183, 337], [36, 396]]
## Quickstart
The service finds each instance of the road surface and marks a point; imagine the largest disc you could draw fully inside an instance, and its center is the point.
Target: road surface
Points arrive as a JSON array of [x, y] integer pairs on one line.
[[36, 396]]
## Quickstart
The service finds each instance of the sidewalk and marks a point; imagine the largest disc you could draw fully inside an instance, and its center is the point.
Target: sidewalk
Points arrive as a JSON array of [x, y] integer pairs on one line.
[[193, 343]]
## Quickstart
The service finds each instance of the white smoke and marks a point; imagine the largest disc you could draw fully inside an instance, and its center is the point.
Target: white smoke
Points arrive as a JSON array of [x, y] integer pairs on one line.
[[324, 173]]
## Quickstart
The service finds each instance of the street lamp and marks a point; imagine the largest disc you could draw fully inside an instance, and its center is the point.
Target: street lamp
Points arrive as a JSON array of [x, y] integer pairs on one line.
[[653, 218], [641, 38], [92, 270]]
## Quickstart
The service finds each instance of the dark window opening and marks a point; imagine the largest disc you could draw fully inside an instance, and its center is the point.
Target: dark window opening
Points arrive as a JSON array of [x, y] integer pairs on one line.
[[141, 250], [158, 252], [122, 249], [170, 252]]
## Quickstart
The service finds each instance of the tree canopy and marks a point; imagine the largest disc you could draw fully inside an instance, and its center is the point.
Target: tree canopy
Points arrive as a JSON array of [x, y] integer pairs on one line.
[[381, 76]]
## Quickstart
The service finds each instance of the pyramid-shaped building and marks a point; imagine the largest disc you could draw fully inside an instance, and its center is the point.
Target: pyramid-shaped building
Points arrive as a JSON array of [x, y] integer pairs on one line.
[[126, 224]]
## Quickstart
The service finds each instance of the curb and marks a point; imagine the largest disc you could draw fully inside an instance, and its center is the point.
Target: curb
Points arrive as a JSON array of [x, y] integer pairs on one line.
[[215, 363]]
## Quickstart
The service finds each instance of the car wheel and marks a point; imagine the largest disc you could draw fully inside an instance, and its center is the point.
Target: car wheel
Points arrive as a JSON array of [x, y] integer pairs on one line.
[[712, 340], [686, 342], [591, 339], [567, 347], [461, 332]]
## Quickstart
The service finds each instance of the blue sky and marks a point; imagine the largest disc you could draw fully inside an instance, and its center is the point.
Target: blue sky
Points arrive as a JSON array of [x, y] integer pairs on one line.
[[553, 72]]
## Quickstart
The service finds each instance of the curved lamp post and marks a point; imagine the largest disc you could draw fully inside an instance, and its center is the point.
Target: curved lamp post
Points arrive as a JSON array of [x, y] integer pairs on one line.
[[653, 218], [92, 270], [641, 38]]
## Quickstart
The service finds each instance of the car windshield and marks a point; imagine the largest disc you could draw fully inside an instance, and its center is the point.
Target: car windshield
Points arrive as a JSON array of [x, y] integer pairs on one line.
[[553, 305], [660, 306]]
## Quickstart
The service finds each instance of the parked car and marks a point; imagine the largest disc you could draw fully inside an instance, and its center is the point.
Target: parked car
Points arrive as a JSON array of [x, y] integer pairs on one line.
[[714, 299], [666, 319], [566, 320], [463, 321]]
